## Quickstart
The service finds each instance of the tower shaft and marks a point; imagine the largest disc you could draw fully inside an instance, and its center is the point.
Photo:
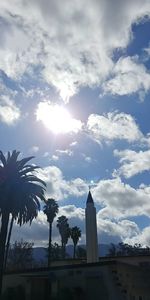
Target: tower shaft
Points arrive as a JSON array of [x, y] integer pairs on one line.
[[91, 231]]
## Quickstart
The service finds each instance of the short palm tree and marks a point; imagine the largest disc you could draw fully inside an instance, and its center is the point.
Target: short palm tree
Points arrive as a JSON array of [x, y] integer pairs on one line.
[[51, 210], [20, 193], [64, 230], [75, 234]]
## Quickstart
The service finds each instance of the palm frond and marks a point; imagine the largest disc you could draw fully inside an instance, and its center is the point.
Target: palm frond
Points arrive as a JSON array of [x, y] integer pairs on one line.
[[33, 178], [3, 159], [12, 159], [23, 161], [28, 169]]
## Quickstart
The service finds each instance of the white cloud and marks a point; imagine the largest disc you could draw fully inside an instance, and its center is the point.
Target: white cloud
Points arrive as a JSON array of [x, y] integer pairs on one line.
[[132, 162], [55, 157], [71, 211], [107, 229], [9, 112], [73, 144], [120, 200], [142, 238], [60, 188], [129, 76], [121, 229], [113, 126], [73, 44], [64, 152], [88, 159], [46, 154], [34, 149]]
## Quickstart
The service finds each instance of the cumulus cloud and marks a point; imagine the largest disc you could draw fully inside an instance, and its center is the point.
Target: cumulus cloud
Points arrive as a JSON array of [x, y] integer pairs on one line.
[[9, 112], [58, 187], [121, 229], [108, 230], [129, 76], [132, 162], [72, 46], [113, 126], [120, 200], [142, 238], [71, 211]]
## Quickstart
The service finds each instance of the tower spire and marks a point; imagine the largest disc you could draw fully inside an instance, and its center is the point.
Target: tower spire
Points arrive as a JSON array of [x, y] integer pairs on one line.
[[89, 198]]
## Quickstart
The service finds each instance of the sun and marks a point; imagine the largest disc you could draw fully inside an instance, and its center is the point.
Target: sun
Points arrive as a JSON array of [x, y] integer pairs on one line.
[[57, 119]]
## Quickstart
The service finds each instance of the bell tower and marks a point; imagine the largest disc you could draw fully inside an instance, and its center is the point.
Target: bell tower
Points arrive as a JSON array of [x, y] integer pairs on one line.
[[91, 230]]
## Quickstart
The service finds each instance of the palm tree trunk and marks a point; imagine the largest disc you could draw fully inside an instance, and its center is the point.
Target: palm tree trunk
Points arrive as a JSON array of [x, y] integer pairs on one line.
[[74, 251], [3, 236], [8, 241], [50, 244], [62, 250]]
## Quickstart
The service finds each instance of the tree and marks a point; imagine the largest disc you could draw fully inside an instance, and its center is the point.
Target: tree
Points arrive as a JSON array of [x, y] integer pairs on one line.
[[51, 210], [75, 234], [122, 249], [112, 251], [56, 252], [80, 252], [64, 230], [20, 192], [20, 255]]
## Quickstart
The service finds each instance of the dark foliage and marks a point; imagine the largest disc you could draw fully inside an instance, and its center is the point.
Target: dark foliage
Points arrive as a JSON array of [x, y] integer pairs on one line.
[[75, 234], [64, 230], [20, 195], [51, 210], [127, 250], [20, 256]]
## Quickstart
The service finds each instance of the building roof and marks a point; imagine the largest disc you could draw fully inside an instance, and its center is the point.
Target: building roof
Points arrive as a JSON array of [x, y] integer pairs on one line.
[[89, 198]]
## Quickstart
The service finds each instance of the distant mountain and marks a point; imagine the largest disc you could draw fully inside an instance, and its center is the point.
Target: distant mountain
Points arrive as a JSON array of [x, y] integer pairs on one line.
[[39, 253]]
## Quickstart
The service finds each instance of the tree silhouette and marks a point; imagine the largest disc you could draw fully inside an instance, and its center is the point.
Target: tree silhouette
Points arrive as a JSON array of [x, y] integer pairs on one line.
[[64, 230], [122, 249], [51, 210], [20, 192], [80, 252], [20, 255], [75, 234]]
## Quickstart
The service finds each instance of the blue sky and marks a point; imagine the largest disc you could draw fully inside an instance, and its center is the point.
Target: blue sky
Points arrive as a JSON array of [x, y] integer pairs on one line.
[[91, 59]]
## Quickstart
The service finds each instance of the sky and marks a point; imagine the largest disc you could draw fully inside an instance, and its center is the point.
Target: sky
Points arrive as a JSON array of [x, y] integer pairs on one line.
[[75, 89]]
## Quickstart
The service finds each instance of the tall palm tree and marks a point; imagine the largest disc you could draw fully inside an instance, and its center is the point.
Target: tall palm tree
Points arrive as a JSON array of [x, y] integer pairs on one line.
[[64, 230], [75, 234], [51, 210], [20, 192]]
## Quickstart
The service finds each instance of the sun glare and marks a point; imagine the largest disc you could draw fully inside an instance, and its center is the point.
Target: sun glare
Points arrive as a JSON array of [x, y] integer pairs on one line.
[[57, 118]]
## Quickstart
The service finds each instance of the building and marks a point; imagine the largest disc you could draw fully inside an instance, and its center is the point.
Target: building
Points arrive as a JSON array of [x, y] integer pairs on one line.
[[107, 278]]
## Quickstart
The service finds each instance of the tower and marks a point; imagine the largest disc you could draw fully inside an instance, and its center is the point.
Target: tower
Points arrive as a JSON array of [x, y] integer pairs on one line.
[[91, 230]]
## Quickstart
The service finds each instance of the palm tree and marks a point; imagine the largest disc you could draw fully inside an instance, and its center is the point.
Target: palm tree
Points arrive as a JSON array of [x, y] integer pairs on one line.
[[51, 210], [75, 234], [64, 230], [20, 192]]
